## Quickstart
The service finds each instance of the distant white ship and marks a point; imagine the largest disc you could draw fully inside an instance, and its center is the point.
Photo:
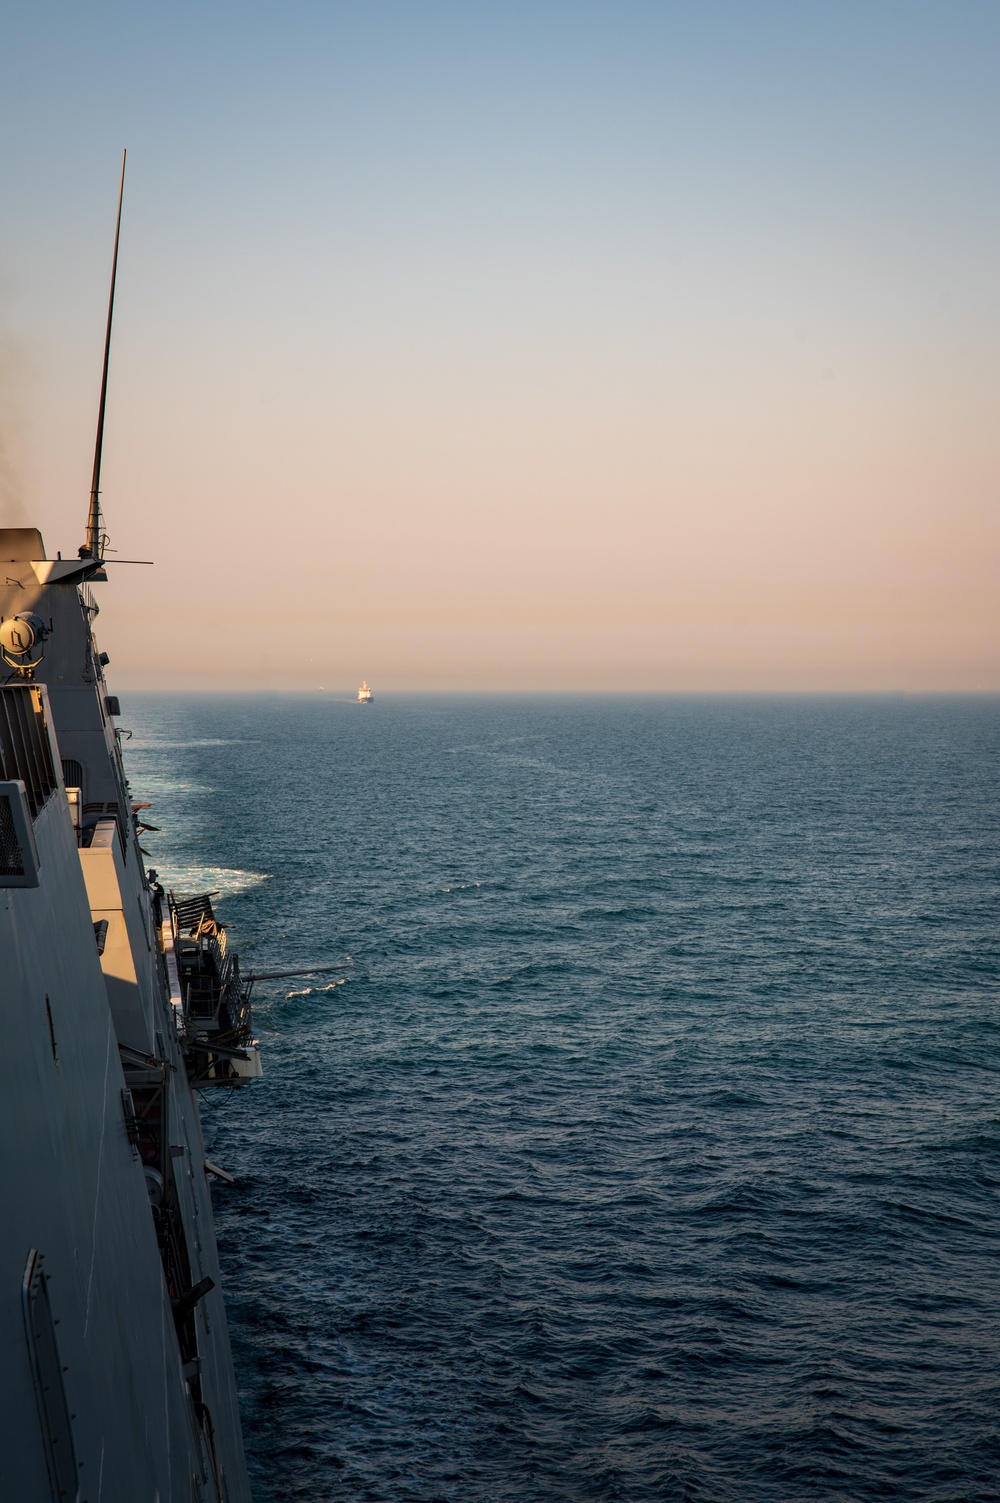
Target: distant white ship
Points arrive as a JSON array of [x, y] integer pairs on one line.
[[364, 695]]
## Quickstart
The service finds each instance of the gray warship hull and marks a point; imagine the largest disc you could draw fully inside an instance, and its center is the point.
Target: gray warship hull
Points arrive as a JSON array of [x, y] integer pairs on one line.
[[118, 1004]]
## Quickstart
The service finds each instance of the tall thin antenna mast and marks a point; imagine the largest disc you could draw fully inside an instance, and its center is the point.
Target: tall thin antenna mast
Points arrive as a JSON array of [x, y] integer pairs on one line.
[[94, 546]]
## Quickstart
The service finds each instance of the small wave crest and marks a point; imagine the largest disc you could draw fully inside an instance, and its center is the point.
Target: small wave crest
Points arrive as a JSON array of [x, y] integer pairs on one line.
[[314, 991]]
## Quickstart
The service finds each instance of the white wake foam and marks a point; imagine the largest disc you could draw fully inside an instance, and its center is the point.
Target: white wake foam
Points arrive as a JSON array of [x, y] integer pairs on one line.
[[187, 881]]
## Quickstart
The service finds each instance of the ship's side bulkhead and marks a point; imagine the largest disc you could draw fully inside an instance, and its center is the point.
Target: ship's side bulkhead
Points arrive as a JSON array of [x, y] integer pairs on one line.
[[116, 1381]]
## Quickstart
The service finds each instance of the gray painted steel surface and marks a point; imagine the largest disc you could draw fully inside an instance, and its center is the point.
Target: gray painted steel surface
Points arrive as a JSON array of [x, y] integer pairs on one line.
[[116, 1380]]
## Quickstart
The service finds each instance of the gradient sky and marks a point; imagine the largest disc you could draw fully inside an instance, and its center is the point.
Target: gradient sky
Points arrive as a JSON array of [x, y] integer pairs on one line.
[[581, 346]]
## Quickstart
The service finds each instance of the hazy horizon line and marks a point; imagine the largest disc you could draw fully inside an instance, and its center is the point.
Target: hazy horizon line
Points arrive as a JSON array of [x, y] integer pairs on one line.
[[339, 695]]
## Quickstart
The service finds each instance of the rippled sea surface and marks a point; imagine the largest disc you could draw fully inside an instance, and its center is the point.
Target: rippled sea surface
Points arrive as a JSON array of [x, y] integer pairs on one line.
[[649, 1147]]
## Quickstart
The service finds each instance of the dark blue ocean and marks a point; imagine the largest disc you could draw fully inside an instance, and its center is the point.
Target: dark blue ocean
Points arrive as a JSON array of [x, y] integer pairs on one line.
[[649, 1147]]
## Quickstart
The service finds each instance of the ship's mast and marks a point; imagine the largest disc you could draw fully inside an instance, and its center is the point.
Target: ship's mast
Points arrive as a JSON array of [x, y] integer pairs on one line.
[[94, 545]]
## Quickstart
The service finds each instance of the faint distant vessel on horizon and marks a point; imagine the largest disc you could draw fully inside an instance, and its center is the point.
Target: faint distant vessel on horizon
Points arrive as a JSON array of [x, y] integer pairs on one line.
[[364, 694]]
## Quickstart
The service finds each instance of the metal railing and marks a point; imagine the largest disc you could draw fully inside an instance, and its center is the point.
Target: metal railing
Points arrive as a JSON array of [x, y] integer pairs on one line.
[[216, 1000]]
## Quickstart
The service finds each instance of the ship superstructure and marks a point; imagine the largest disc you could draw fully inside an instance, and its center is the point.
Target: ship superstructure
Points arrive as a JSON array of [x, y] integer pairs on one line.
[[119, 1002]]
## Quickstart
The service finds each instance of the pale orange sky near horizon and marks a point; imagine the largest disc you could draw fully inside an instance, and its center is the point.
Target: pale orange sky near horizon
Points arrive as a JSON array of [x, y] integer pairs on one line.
[[669, 361]]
